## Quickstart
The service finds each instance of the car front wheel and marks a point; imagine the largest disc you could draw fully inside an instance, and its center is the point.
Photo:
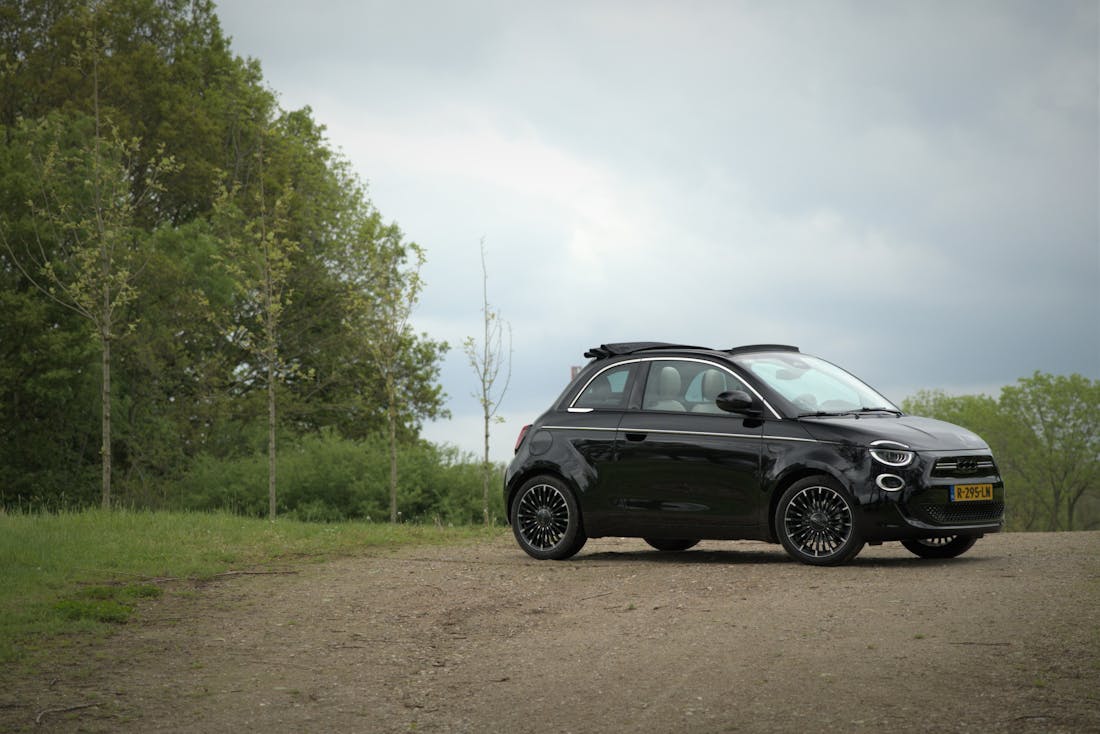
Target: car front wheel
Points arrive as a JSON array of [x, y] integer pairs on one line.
[[949, 547], [546, 519], [815, 523]]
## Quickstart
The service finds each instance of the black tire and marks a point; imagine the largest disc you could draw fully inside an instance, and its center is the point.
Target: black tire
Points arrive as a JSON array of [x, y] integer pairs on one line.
[[949, 547], [546, 519], [815, 522], [664, 544]]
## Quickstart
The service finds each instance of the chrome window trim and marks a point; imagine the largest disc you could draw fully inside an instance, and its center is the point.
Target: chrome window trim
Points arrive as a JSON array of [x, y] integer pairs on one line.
[[667, 431], [667, 358], [580, 392], [578, 428], [580, 410]]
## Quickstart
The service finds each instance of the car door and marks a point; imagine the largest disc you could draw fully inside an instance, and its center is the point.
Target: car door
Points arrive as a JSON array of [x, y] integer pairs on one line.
[[683, 467], [587, 432]]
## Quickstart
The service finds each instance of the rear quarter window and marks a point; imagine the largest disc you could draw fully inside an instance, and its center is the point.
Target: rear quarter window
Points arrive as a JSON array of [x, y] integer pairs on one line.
[[607, 391]]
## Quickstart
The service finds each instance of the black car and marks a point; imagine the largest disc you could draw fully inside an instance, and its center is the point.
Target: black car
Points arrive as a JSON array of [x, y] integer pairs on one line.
[[676, 444]]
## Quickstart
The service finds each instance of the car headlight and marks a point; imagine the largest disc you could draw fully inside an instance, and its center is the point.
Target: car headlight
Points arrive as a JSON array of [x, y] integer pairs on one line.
[[891, 453]]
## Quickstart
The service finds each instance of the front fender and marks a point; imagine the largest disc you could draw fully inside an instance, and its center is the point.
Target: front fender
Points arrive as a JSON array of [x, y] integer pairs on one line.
[[785, 463]]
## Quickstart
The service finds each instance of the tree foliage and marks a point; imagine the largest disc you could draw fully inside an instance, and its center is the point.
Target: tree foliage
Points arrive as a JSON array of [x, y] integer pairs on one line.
[[258, 258], [1045, 435], [84, 249], [246, 263], [329, 478], [394, 270]]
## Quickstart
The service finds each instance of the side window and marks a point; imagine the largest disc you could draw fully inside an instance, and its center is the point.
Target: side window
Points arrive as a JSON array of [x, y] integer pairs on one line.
[[707, 386], [608, 391], [686, 386], [664, 390]]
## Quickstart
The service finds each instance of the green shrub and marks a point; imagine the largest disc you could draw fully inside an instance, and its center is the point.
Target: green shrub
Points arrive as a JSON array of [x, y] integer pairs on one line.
[[316, 511], [237, 485], [327, 478]]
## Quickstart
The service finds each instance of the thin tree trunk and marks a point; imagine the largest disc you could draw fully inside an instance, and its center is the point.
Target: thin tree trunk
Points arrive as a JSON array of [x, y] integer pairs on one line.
[[272, 354], [393, 452], [1055, 523], [105, 316], [105, 394], [271, 440], [271, 347], [485, 469], [489, 376]]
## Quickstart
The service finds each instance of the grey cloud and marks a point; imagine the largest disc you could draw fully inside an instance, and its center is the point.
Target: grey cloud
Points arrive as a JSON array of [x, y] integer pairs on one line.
[[909, 189]]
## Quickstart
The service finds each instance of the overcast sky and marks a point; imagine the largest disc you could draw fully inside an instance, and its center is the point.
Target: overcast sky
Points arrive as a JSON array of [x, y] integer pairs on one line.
[[908, 189]]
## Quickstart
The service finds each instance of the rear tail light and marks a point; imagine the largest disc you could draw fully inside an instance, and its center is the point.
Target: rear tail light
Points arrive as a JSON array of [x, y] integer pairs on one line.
[[522, 435]]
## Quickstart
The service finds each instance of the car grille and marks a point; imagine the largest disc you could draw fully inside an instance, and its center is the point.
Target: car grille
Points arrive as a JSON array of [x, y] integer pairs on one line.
[[964, 466], [961, 513]]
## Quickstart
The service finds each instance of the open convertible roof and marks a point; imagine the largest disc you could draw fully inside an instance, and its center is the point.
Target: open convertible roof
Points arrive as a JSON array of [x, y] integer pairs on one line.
[[605, 351]]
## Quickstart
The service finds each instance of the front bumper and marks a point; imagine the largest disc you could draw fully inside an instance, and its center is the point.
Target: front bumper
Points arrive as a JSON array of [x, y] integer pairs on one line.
[[923, 507]]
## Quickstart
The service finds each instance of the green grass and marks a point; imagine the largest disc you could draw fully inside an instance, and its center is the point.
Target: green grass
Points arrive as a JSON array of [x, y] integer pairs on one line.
[[84, 572]]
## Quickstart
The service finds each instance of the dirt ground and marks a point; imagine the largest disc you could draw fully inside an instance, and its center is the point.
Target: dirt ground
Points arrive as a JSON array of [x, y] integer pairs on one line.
[[728, 637]]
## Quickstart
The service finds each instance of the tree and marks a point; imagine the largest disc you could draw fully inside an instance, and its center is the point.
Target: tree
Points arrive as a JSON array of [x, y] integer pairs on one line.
[[487, 359], [1003, 432], [173, 379], [49, 432], [395, 268], [372, 373], [1045, 435], [330, 323], [159, 76], [1062, 459], [166, 76], [259, 258], [85, 250]]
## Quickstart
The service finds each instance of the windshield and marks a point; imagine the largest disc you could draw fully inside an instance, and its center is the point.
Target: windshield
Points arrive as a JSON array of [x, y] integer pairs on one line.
[[812, 385]]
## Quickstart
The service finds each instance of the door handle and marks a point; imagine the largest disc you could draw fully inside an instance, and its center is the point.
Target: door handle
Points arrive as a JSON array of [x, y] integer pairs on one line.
[[635, 437]]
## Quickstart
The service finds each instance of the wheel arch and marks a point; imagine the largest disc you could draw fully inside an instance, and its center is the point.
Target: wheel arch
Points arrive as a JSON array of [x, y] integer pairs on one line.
[[790, 476], [537, 470]]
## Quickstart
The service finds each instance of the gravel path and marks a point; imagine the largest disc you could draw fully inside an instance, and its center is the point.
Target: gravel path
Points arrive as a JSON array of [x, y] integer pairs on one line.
[[727, 637]]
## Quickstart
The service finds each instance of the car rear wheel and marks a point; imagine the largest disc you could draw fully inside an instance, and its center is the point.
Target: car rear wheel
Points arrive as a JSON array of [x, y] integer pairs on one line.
[[664, 544], [815, 522], [546, 519], [949, 547]]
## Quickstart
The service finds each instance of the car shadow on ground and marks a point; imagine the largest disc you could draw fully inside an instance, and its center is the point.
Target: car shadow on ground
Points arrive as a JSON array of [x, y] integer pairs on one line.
[[765, 555], [707, 556]]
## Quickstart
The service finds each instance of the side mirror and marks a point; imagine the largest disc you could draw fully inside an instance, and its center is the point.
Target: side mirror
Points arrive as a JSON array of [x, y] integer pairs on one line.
[[736, 401]]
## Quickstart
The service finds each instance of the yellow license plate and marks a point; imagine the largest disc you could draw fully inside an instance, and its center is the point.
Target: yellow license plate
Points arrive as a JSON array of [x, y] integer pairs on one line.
[[971, 492]]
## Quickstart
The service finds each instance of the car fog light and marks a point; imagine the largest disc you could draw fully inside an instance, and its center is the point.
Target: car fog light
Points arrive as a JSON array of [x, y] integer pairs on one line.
[[889, 482]]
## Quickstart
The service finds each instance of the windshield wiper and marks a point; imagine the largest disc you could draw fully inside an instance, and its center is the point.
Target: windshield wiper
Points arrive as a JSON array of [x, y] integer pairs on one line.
[[857, 412]]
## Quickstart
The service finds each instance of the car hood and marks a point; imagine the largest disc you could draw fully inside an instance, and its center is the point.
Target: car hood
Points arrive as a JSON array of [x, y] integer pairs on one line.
[[917, 433]]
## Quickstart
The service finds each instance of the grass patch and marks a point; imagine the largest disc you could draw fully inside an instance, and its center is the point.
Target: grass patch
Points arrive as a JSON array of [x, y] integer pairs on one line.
[[107, 604], [96, 610], [85, 572]]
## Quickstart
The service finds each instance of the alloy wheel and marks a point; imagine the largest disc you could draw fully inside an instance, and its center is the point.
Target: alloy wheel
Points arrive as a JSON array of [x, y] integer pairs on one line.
[[542, 516], [818, 521]]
